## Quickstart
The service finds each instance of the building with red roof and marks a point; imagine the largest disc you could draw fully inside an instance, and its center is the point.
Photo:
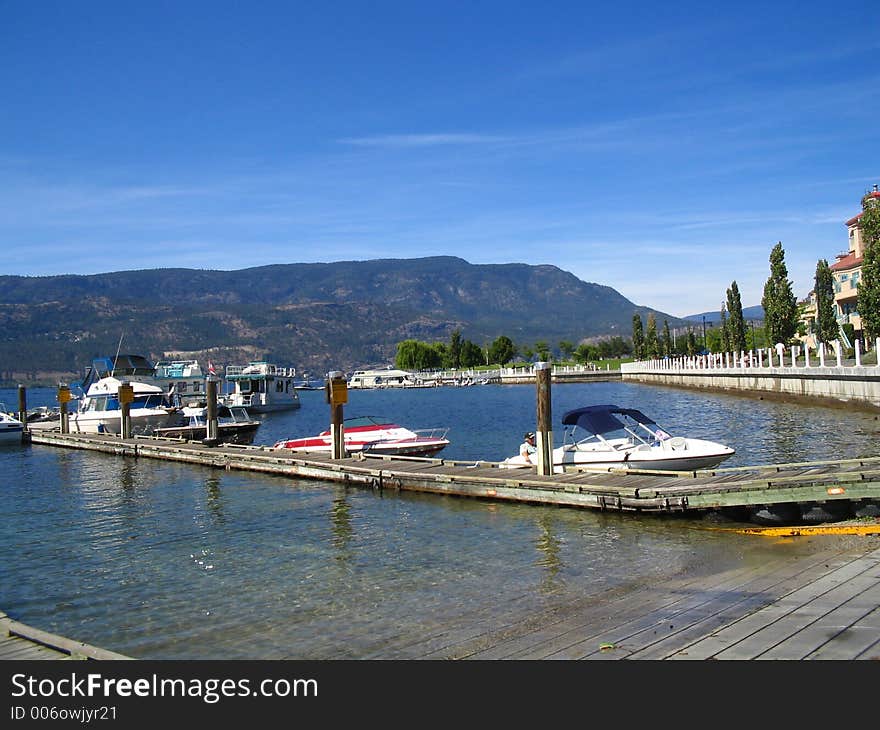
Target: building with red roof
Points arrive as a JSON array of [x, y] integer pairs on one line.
[[847, 271]]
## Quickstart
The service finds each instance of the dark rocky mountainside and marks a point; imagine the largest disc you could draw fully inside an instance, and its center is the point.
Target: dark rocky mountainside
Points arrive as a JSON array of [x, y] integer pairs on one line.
[[315, 316]]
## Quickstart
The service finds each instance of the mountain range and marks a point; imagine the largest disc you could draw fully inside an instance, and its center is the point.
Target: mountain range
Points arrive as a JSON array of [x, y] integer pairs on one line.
[[315, 316]]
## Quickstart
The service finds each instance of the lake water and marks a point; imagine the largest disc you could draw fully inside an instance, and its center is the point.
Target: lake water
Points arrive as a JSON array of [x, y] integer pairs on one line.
[[172, 561]]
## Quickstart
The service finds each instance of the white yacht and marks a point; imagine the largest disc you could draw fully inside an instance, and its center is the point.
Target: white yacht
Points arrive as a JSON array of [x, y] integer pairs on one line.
[[261, 387], [99, 409], [385, 378]]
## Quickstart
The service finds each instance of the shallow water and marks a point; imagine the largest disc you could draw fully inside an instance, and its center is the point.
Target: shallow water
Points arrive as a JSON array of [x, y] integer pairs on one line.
[[172, 561]]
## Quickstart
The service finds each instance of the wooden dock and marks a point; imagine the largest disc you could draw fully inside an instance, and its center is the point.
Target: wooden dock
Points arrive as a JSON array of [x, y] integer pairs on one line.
[[848, 483], [20, 642]]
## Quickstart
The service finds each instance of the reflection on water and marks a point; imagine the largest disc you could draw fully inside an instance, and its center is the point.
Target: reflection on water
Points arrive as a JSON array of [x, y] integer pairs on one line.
[[165, 560]]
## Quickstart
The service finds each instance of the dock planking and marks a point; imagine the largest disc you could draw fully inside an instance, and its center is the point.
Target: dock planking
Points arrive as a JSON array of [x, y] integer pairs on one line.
[[847, 480], [20, 642]]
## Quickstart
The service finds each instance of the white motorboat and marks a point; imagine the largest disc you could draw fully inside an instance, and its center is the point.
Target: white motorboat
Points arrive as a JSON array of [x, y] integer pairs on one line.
[[375, 436], [261, 387], [11, 428], [99, 409], [234, 425], [626, 438], [385, 378]]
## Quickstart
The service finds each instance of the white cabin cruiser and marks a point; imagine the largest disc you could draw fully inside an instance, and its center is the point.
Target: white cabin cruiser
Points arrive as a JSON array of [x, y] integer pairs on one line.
[[626, 438], [100, 411]]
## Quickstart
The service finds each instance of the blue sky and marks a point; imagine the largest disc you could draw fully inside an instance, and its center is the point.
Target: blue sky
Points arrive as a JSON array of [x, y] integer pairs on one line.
[[661, 150]]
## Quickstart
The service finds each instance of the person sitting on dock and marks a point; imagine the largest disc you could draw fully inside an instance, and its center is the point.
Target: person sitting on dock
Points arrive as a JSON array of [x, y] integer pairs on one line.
[[527, 448]]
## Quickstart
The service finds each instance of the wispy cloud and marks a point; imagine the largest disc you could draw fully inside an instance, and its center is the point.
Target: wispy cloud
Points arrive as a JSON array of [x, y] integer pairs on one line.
[[422, 140]]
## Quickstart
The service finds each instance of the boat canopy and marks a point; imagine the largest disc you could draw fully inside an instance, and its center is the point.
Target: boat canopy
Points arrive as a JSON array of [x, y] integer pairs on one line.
[[603, 419]]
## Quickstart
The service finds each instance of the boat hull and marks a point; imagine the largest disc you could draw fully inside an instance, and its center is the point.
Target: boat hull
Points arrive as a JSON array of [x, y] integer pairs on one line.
[[10, 433], [143, 421], [227, 434], [388, 448]]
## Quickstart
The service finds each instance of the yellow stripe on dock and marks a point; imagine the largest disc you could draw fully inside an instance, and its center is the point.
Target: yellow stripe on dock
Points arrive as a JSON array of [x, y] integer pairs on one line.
[[827, 529]]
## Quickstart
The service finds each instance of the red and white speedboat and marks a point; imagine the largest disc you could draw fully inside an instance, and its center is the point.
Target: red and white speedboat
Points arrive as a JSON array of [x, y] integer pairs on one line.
[[376, 436]]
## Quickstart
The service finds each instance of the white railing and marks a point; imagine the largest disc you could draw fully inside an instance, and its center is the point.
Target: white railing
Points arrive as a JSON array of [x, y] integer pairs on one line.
[[795, 356]]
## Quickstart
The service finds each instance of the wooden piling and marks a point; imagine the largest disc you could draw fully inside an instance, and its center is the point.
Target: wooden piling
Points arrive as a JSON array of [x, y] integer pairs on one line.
[[212, 432], [337, 397], [22, 405], [126, 396], [63, 398], [544, 432]]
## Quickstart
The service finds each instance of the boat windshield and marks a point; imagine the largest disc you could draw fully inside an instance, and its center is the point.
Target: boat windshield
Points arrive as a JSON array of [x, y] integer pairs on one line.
[[608, 422]]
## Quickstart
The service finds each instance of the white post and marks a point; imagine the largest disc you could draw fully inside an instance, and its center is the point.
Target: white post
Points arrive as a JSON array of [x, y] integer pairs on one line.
[[794, 354], [760, 358], [858, 354], [806, 356], [821, 354], [837, 350], [780, 351]]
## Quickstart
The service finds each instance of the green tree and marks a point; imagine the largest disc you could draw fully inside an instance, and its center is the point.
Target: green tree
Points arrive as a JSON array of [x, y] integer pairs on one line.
[[638, 338], [415, 355], [543, 350], [779, 302], [455, 348], [826, 321], [691, 344], [725, 330], [869, 283], [585, 353], [502, 350], [471, 355], [667, 338], [652, 343], [736, 324], [566, 348]]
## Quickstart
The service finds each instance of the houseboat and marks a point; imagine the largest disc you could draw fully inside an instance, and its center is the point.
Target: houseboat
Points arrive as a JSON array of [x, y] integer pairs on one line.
[[386, 378], [261, 387]]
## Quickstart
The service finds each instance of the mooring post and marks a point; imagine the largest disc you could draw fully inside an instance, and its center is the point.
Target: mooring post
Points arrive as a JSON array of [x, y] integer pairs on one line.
[[126, 396], [22, 406], [212, 430], [63, 398], [544, 434], [336, 392]]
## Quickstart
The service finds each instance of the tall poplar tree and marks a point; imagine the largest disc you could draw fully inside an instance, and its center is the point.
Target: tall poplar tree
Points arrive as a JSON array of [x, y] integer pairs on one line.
[[652, 343], [725, 329], [736, 325], [638, 338], [779, 302], [667, 338], [869, 283], [826, 321]]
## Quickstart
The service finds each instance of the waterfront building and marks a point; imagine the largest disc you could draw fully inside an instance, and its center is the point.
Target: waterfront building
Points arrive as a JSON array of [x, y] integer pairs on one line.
[[847, 271]]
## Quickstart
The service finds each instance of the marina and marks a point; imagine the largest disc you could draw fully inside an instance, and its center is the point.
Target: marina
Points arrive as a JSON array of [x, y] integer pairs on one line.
[[198, 558]]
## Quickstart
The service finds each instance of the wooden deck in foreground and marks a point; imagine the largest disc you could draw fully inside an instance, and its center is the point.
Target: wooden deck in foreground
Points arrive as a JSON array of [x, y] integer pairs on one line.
[[19, 642], [852, 482]]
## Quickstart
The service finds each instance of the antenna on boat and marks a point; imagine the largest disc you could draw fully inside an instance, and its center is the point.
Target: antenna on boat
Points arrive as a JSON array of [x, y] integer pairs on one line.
[[116, 359]]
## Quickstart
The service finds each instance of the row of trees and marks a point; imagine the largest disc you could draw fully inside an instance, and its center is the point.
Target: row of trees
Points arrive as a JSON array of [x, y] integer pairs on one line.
[[462, 353]]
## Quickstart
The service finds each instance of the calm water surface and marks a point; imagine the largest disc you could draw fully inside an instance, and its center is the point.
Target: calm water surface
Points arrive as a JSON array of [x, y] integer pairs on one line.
[[171, 561]]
